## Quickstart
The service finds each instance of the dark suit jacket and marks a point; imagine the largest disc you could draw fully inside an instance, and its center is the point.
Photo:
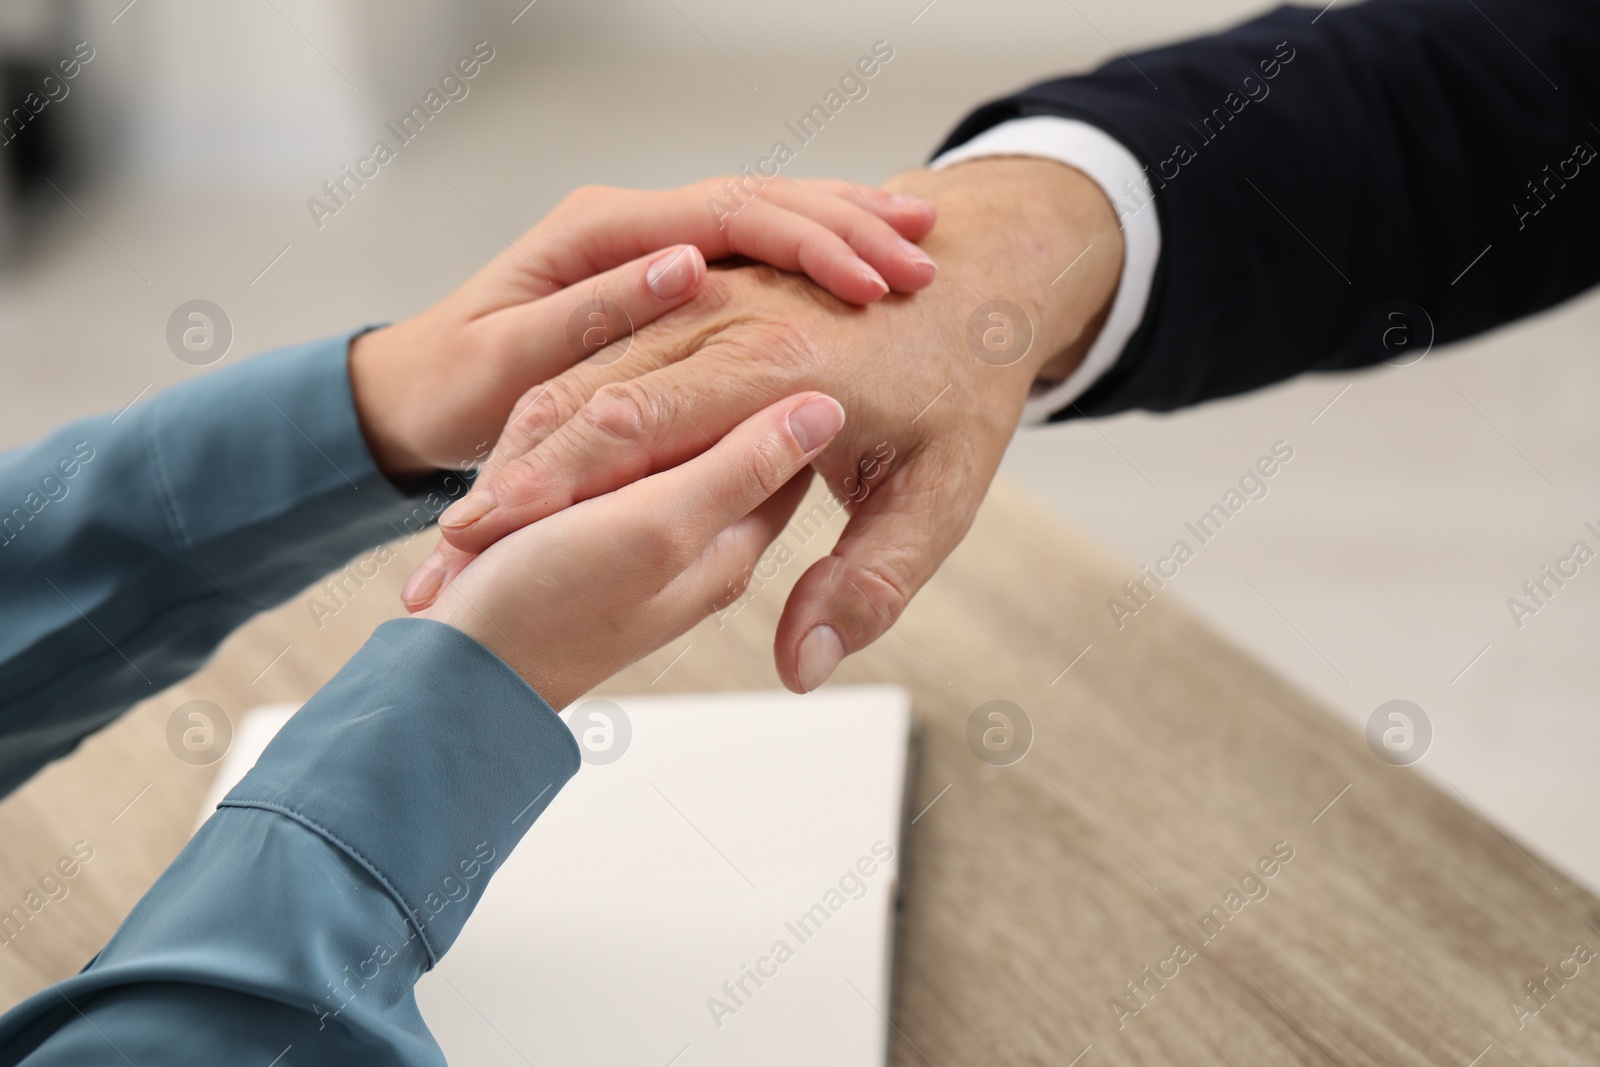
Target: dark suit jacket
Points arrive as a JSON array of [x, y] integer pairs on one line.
[[1320, 177]]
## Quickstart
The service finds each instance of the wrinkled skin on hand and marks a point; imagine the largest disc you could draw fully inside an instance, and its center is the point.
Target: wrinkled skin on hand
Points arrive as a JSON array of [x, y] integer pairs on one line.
[[930, 406]]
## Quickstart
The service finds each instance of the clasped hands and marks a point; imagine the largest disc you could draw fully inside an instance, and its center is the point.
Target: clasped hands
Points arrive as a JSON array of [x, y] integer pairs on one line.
[[633, 485]]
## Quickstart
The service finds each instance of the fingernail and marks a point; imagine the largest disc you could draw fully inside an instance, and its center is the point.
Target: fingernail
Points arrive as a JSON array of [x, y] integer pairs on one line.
[[468, 510], [915, 254], [815, 422], [423, 585], [872, 277], [820, 653], [674, 273]]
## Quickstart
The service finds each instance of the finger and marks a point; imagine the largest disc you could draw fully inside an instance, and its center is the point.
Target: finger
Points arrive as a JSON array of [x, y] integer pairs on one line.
[[902, 264], [792, 241], [595, 318], [553, 333], [912, 216], [727, 482], [627, 430], [887, 551], [594, 229], [722, 573], [546, 407], [433, 575], [716, 570]]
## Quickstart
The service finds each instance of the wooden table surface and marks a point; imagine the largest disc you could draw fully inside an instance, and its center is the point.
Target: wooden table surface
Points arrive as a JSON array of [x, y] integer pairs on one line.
[[1165, 766]]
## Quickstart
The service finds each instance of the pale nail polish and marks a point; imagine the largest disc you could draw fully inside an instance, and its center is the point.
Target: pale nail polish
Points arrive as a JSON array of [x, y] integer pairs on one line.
[[872, 277], [673, 274], [815, 422], [423, 585], [821, 651], [915, 254], [468, 510]]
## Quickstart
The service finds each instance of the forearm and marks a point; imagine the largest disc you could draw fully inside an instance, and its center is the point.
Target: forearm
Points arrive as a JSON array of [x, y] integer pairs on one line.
[[1311, 168], [133, 544], [337, 872]]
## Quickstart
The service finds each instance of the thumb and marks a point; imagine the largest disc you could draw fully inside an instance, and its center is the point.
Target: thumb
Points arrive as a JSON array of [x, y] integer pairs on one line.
[[888, 550], [753, 461], [432, 575]]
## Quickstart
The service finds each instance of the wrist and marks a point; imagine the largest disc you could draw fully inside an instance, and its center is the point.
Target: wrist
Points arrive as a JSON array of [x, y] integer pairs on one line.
[[1032, 231], [556, 686], [382, 380]]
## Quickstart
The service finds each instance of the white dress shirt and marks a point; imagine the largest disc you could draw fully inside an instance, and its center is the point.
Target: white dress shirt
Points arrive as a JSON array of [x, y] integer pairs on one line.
[[1120, 176]]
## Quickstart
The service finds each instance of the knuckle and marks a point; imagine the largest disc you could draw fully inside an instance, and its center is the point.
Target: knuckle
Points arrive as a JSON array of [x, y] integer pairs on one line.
[[543, 410], [623, 411], [885, 585], [777, 340], [522, 431], [743, 225], [769, 465], [715, 294], [517, 481], [663, 548]]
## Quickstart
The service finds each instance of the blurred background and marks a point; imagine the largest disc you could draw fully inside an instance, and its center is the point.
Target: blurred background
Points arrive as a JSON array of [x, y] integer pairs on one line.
[[178, 162]]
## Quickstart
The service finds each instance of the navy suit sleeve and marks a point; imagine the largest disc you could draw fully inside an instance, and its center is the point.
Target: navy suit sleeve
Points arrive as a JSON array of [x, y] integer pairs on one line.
[[1316, 170]]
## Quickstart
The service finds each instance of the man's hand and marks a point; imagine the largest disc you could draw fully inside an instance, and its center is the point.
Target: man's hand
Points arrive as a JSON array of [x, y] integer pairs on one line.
[[933, 385], [435, 390]]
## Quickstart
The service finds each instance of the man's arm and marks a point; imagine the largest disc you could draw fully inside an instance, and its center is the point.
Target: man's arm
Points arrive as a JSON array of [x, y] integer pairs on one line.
[[934, 385], [1337, 161], [1110, 166], [1315, 165]]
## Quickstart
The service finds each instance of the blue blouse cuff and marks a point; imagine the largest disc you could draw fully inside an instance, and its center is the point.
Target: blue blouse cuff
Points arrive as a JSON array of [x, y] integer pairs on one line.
[[424, 761]]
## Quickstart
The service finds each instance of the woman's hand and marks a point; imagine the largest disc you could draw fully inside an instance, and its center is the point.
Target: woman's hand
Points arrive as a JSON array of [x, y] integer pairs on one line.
[[569, 601], [435, 390], [931, 408]]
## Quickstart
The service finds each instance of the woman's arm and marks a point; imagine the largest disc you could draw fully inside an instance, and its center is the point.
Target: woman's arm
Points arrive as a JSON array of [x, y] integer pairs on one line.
[[336, 873], [131, 545], [296, 922]]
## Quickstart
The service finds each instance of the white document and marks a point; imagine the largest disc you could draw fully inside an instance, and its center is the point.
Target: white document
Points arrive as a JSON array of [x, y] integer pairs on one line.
[[717, 885]]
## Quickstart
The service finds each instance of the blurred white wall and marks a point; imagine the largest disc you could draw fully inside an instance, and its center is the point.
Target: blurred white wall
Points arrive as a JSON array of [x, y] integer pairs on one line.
[[259, 93], [203, 94]]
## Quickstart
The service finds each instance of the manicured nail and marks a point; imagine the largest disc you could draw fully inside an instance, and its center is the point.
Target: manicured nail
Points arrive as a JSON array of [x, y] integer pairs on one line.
[[915, 254], [674, 273], [872, 277], [815, 422], [820, 652], [423, 585], [468, 510]]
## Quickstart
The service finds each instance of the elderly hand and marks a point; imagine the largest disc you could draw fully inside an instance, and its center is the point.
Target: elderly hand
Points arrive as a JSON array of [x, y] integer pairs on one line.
[[435, 390], [934, 386]]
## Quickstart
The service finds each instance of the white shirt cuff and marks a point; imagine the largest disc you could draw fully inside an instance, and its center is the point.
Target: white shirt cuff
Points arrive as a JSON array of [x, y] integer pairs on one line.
[[1120, 176]]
